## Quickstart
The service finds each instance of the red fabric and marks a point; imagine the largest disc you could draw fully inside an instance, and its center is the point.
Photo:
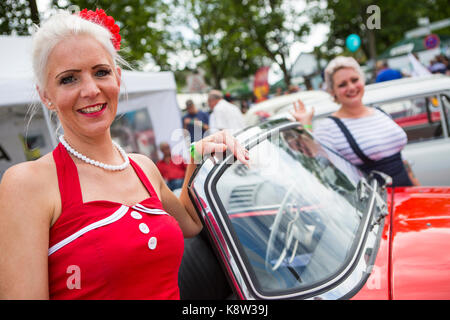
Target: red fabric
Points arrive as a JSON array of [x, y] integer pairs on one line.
[[113, 261], [175, 169]]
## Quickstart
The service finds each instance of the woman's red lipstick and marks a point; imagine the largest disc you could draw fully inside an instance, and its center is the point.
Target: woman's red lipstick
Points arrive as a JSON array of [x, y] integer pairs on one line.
[[93, 110]]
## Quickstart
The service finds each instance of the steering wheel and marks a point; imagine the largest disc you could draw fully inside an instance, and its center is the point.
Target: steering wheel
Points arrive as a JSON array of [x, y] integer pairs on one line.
[[273, 233]]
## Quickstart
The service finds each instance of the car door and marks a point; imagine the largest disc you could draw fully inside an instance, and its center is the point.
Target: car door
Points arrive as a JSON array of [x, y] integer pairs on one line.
[[294, 224], [425, 121]]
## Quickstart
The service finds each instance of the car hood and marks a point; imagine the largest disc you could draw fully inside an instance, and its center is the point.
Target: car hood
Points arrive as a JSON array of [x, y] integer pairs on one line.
[[420, 243]]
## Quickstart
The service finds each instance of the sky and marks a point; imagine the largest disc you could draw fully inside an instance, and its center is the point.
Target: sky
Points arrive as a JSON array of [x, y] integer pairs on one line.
[[316, 37]]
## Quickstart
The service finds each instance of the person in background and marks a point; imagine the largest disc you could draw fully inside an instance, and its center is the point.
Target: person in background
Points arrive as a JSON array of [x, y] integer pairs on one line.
[[196, 122], [367, 137], [437, 65], [417, 68], [293, 88], [446, 62], [385, 73], [224, 115], [171, 167], [228, 97], [244, 106], [88, 220]]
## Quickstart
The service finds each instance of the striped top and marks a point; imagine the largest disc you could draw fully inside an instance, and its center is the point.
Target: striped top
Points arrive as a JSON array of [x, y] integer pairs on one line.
[[377, 135]]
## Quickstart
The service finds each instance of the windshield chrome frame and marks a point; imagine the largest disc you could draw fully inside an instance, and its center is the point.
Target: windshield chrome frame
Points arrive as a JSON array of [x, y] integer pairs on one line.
[[346, 282]]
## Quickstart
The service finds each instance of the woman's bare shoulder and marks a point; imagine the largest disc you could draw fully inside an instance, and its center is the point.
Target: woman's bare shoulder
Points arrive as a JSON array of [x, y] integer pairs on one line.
[[143, 161], [30, 170], [30, 178]]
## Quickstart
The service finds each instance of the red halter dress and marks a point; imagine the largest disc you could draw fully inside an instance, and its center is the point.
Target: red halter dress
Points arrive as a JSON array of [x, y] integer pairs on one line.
[[106, 250]]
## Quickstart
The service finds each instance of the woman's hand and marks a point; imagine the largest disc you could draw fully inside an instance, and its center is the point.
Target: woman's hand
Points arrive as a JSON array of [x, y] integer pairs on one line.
[[219, 142], [300, 114], [186, 214]]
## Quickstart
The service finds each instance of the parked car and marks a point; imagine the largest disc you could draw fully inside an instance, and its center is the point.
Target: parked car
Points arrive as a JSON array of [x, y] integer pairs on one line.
[[278, 105], [420, 105], [301, 222]]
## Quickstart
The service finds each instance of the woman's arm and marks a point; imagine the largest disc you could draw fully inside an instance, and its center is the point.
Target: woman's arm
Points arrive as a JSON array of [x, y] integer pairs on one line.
[[182, 208], [25, 218], [218, 142]]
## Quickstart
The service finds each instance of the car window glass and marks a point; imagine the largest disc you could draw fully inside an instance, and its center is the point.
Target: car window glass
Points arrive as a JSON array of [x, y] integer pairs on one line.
[[419, 117], [293, 211]]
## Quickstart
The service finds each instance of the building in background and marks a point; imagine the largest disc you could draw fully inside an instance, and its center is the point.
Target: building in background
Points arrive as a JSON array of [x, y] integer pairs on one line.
[[306, 71]]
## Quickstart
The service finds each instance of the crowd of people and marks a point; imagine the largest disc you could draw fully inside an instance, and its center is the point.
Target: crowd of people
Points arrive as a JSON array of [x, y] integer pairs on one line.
[[198, 124], [439, 64], [224, 113]]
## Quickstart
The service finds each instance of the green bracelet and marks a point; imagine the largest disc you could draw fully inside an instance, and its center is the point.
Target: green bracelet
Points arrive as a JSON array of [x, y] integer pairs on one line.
[[194, 154], [307, 126]]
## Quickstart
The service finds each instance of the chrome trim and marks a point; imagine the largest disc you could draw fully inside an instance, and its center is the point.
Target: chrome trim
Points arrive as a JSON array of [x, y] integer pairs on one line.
[[198, 192], [343, 283]]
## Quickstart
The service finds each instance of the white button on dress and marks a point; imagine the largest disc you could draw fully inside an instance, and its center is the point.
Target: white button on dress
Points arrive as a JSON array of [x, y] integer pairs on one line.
[[152, 243], [144, 228], [136, 215]]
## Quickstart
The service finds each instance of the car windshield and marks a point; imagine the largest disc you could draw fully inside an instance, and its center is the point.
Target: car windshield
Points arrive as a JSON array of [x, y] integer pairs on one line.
[[294, 211]]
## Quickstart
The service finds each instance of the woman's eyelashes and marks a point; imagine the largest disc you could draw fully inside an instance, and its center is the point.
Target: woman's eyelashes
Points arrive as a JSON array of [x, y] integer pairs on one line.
[[67, 80], [72, 78], [103, 72], [343, 84]]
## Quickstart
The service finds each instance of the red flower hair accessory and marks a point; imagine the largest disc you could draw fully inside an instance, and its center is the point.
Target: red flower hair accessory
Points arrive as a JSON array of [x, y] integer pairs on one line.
[[100, 17]]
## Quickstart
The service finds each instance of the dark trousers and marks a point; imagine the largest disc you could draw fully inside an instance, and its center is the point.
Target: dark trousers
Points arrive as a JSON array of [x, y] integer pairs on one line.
[[392, 166], [175, 184]]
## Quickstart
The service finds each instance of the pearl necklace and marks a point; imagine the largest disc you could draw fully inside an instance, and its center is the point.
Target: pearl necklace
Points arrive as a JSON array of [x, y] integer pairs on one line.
[[98, 163]]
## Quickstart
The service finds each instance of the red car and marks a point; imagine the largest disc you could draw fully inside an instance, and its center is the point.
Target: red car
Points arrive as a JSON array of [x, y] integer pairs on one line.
[[303, 223], [412, 262]]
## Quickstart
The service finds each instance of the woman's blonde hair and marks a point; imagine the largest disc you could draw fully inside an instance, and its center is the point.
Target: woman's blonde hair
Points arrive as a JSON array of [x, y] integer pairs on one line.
[[338, 63], [59, 27]]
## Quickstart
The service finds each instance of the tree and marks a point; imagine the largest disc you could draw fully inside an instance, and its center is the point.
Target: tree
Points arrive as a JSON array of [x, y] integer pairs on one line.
[[272, 25], [18, 16], [350, 16], [239, 36], [227, 52], [143, 24]]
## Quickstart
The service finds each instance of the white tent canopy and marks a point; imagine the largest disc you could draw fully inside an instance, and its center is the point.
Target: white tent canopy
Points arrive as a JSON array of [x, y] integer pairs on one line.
[[18, 87], [152, 94]]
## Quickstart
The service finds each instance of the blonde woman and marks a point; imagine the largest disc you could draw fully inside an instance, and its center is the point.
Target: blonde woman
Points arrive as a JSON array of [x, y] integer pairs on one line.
[[365, 136], [89, 221]]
